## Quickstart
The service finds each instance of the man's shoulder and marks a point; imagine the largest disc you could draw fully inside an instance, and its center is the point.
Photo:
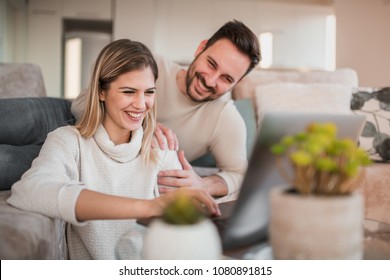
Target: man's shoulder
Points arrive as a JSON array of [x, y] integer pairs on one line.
[[225, 111], [220, 105]]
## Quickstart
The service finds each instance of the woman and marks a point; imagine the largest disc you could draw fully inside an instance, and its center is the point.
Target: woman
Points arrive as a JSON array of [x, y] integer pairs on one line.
[[102, 174]]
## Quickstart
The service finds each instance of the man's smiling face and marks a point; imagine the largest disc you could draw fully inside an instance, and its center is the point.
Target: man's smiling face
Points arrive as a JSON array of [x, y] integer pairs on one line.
[[215, 70]]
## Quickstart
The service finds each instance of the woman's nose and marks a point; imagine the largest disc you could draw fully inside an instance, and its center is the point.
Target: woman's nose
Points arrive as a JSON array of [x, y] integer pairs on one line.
[[139, 101]]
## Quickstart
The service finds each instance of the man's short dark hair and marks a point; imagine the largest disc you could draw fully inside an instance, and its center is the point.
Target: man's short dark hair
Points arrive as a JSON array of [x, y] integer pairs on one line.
[[242, 37]]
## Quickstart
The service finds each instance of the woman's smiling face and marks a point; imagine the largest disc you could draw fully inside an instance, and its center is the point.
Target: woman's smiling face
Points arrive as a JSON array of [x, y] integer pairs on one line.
[[127, 101]]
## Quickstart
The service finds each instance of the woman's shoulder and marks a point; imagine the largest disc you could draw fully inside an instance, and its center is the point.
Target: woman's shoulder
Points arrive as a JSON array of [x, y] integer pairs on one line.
[[64, 138], [66, 134], [66, 131]]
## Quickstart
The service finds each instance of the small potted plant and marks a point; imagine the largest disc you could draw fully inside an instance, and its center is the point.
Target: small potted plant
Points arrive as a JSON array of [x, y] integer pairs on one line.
[[183, 232], [319, 215]]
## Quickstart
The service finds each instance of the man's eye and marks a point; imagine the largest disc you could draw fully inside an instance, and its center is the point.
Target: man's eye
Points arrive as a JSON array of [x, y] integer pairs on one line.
[[150, 92], [129, 91], [228, 80], [212, 64]]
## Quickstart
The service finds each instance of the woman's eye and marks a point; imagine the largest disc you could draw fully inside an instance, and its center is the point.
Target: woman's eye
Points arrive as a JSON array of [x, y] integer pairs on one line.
[[128, 91]]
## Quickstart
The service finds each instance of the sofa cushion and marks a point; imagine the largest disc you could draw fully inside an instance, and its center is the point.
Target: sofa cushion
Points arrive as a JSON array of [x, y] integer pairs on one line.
[[14, 161], [374, 104], [25, 121], [297, 97], [24, 125], [247, 86]]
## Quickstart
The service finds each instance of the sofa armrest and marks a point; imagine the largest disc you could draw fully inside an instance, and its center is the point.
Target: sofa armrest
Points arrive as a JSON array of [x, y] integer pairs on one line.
[[21, 80], [26, 235]]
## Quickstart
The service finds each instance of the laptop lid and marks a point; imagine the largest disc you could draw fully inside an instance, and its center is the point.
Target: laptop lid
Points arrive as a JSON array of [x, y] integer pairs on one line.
[[248, 223]]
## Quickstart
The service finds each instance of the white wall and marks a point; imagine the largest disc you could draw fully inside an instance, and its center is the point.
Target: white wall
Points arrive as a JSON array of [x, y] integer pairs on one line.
[[13, 39], [363, 39], [299, 33], [3, 28], [174, 28], [135, 20], [44, 42]]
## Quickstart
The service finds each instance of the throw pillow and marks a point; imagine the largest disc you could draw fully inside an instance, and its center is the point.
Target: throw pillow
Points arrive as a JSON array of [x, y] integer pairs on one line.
[[14, 161], [374, 104], [24, 125], [25, 121], [246, 88], [297, 97]]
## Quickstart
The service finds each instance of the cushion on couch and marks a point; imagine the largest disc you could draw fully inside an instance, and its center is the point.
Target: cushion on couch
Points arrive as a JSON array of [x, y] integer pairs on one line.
[[14, 161], [25, 121], [247, 86], [298, 97], [24, 125], [374, 104]]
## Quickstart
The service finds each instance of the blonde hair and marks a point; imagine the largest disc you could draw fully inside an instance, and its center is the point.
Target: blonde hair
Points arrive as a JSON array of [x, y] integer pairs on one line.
[[119, 57]]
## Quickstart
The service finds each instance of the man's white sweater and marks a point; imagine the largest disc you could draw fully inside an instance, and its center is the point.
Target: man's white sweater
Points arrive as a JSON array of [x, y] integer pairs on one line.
[[69, 163], [214, 126]]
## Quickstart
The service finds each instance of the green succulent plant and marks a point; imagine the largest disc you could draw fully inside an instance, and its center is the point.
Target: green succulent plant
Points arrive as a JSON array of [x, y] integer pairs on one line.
[[322, 164], [182, 211]]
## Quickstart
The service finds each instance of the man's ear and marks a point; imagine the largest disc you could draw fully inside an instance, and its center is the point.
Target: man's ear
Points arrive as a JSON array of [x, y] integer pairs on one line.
[[201, 47]]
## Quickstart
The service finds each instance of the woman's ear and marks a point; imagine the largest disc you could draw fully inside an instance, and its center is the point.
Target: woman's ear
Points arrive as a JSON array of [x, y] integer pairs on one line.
[[102, 96], [201, 47]]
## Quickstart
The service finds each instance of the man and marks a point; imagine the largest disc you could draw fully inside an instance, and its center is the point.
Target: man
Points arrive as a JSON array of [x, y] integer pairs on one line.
[[188, 103]]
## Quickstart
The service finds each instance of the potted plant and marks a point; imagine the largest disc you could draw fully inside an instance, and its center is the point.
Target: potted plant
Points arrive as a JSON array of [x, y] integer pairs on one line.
[[183, 232], [319, 215]]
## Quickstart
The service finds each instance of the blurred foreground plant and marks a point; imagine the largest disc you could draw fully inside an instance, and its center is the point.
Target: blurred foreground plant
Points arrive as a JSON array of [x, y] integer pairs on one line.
[[183, 211], [322, 164]]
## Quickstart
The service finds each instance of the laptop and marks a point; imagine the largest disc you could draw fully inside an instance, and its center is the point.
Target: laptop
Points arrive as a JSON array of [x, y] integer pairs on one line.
[[244, 222]]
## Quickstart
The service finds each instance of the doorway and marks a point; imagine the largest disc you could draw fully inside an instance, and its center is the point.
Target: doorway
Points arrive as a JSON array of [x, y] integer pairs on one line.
[[82, 42]]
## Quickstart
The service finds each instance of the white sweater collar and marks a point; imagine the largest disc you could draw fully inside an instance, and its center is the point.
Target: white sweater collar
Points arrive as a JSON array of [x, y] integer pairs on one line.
[[123, 152]]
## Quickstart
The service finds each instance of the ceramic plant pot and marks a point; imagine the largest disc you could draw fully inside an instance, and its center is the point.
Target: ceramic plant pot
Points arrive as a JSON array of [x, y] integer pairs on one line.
[[316, 227], [182, 242]]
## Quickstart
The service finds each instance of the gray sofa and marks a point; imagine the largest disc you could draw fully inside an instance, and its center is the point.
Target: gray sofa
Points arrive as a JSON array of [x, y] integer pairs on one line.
[[27, 115]]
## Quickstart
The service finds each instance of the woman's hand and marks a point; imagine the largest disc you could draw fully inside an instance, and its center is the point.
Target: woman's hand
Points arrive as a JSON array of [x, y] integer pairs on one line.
[[199, 196], [159, 133]]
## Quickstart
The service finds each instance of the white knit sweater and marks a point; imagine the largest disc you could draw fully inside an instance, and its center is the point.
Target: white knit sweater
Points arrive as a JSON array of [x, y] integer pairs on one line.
[[69, 163]]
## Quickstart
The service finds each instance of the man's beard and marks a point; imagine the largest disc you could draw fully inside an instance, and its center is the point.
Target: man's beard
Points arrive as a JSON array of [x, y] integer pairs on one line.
[[189, 81]]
